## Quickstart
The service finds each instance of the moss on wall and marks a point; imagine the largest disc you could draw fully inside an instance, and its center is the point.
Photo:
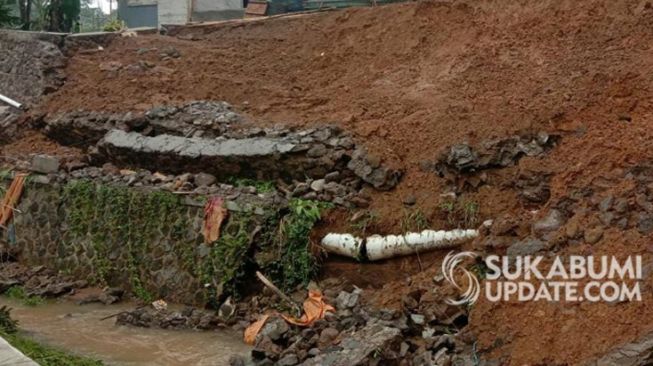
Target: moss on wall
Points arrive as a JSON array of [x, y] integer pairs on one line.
[[150, 241]]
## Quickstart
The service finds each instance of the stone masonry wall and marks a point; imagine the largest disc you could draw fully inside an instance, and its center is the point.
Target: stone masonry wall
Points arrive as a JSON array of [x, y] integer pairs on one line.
[[148, 242]]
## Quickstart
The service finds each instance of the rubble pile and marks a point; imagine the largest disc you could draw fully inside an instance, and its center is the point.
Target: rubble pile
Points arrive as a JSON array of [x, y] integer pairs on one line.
[[358, 335], [205, 119], [463, 164], [37, 281]]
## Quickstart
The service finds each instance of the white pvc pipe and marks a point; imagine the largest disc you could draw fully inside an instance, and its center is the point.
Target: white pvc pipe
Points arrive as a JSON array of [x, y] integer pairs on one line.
[[11, 102], [382, 247], [343, 244]]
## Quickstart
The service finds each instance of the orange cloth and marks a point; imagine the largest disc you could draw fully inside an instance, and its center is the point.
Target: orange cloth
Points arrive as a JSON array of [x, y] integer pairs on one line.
[[214, 215], [254, 329], [11, 198], [314, 309]]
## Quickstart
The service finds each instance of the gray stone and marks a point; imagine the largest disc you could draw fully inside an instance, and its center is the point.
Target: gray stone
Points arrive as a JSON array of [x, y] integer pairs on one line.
[[491, 154], [645, 223], [288, 360], [204, 179], [356, 349], [410, 200], [418, 319], [236, 360], [45, 164], [317, 151], [606, 203], [348, 300], [593, 235], [332, 177], [551, 222], [318, 185], [275, 328], [636, 353], [327, 337], [527, 246]]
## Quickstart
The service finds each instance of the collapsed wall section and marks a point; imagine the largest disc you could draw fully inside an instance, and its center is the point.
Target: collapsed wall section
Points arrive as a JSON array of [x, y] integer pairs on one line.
[[31, 65]]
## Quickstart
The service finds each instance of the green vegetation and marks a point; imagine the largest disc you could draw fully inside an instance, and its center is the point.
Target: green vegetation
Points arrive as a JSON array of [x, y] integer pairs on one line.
[[7, 19], [414, 220], [261, 186], [7, 324], [460, 213], [228, 259], [295, 263], [108, 217], [121, 216], [18, 293], [114, 25], [43, 355], [363, 223]]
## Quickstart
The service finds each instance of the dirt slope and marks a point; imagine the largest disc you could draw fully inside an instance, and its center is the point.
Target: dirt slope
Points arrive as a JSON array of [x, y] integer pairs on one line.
[[411, 79]]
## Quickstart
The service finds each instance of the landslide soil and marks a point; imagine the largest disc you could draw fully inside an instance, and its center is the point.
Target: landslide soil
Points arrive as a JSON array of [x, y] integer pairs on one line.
[[409, 80]]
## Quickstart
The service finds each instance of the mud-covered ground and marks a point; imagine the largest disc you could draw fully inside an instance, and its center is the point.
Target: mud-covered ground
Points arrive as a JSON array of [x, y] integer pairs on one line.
[[411, 80]]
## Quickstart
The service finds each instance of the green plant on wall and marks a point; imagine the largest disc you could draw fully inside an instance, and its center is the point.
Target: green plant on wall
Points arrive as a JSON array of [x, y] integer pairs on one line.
[[295, 262], [118, 217], [225, 268]]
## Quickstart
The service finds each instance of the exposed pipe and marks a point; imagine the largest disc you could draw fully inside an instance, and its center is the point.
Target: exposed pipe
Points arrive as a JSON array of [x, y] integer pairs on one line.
[[378, 247], [10, 101]]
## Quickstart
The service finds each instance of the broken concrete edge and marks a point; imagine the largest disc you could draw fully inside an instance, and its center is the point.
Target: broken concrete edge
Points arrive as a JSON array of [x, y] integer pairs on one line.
[[256, 158], [210, 136]]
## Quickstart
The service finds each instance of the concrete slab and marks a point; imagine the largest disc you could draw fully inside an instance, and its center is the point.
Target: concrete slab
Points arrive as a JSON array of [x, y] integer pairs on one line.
[[11, 356]]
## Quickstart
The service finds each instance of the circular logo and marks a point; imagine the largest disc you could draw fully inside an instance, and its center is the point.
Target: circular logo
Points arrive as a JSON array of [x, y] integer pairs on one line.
[[450, 266]]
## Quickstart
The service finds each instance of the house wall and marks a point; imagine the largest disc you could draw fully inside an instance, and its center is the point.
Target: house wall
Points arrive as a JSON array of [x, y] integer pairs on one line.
[[138, 13], [211, 10], [174, 11]]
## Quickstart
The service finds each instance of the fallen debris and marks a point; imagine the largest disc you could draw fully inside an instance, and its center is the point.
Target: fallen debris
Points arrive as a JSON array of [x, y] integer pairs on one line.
[[214, 215], [11, 198]]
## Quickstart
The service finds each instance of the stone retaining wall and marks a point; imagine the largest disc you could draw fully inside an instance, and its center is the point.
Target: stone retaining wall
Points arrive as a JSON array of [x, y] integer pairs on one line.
[[148, 242]]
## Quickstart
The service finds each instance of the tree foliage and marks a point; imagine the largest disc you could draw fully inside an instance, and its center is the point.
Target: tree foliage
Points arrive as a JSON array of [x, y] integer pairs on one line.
[[7, 19], [63, 15]]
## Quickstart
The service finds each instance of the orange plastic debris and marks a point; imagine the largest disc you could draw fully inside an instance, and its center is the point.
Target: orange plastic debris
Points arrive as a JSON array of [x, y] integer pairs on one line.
[[314, 309], [214, 215], [11, 198], [253, 330]]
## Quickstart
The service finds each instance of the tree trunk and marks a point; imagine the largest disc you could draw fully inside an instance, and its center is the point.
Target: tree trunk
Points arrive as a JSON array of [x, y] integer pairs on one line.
[[25, 8]]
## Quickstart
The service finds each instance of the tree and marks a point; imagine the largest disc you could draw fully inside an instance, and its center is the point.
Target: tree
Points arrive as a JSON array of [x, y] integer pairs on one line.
[[91, 19], [25, 8], [6, 14], [63, 15]]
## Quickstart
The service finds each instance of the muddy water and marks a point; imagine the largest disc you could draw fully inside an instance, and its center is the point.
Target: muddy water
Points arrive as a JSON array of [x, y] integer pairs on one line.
[[78, 330]]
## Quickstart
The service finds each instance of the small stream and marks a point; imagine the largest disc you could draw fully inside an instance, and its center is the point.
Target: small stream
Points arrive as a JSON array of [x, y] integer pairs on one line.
[[77, 329]]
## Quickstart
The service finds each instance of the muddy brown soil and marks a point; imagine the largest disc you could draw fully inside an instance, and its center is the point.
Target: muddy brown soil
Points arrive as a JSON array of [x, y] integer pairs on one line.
[[409, 80]]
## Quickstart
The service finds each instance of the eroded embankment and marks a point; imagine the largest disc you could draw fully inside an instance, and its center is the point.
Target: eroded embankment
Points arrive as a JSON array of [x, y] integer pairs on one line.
[[536, 115]]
